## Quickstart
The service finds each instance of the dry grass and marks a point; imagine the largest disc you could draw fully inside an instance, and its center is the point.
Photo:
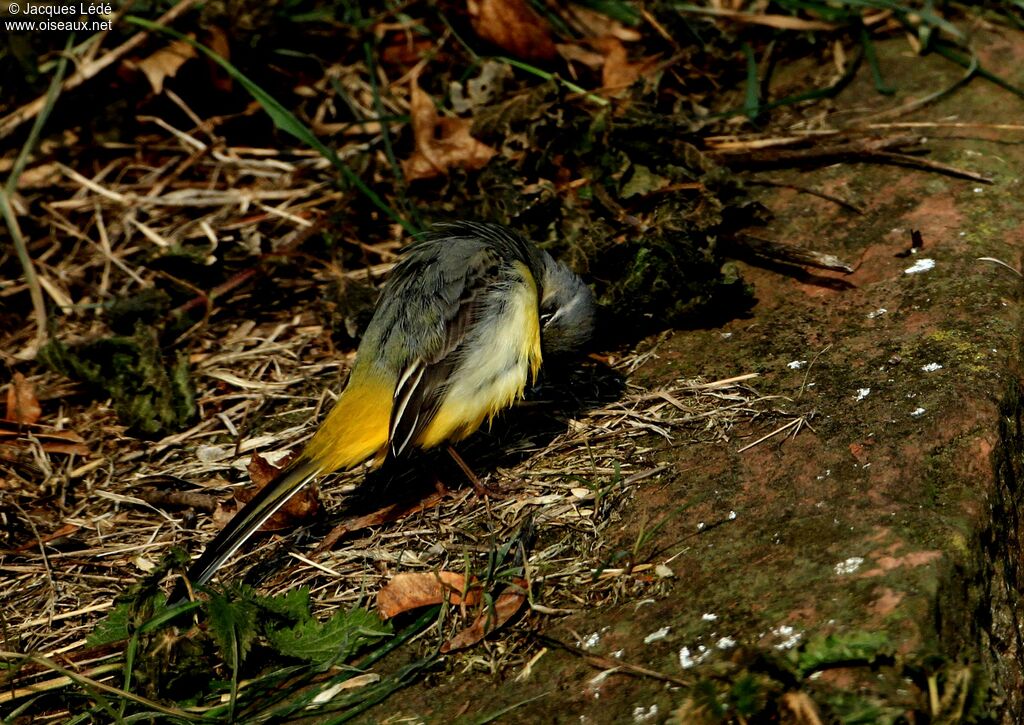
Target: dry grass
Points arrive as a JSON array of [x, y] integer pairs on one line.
[[79, 529]]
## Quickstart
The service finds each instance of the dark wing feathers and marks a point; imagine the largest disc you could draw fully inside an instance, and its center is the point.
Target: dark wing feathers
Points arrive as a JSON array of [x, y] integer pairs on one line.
[[423, 382]]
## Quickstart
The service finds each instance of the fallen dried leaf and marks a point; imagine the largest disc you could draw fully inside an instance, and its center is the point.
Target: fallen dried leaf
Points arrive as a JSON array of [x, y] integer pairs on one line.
[[513, 26], [51, 441], [300, 508], [22, 404], [63, 532], [165, 63], [618, 72], [385, 515], [441, 142], [262, 471], [412, 590], [505, 607], [217, 41], [594, 24], [577, 53]]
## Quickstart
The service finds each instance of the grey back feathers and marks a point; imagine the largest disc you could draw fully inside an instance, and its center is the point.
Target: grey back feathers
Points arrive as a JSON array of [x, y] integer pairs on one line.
[[567, 308]]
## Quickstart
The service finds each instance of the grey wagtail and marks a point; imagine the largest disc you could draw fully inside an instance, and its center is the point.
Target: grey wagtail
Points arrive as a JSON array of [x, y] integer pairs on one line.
[[462, 324]]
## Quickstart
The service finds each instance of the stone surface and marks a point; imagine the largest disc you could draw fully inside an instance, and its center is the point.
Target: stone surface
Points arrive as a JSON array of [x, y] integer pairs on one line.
[[890, 521]]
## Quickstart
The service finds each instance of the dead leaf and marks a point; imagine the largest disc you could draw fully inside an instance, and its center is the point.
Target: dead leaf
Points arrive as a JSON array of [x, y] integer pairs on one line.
[[262, 471], [412, 590], [63, 532], [51, 441], [618, 72], [165, 63], [441, 142], [572, 52], [385, 515], [860, 452], [505, 607], [593, 24], [66, 442], [217, 41], [302, 507], [513, 26], [22, 404]]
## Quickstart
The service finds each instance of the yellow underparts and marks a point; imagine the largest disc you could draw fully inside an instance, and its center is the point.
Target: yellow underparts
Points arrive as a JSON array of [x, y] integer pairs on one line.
[[504, 353], [357, 427]]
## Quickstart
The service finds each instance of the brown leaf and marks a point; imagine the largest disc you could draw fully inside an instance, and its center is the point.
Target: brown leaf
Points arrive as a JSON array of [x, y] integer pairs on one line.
[[860, 452], [593, 24], [299, 509], [513, 26], [217, 41], [262, 471], [387, 514], [618, 72], [441, 142], [505, 607], [412, 590], [63, 532], [22, 404], [165, 63], [52, 441], [79, 449], [576, 53]]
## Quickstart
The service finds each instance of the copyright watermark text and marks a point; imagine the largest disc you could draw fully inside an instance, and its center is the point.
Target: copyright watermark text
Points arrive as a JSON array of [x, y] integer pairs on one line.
[[28, 16]]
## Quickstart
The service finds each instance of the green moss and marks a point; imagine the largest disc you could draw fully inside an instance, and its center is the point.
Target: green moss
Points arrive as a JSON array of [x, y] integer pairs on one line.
[[152, 393]]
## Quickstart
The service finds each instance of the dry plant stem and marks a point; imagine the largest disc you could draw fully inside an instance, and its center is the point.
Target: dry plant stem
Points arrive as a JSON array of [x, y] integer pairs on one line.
[[838, 201], [862, 150], [28, 268], [784, 252], [89, 70], [49, 664], [609, 663], [753, 153]]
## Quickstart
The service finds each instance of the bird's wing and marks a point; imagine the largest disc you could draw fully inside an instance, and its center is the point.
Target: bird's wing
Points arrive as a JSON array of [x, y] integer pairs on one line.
[[423, 382]]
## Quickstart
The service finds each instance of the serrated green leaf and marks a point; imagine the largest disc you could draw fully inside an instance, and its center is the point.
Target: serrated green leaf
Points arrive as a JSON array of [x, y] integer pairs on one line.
[[834, 649], [233, 624], [293, 605], [335, 640], [112, 628]]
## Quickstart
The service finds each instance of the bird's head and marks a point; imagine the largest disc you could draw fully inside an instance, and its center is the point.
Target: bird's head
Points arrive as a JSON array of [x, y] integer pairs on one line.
[[567, 309]]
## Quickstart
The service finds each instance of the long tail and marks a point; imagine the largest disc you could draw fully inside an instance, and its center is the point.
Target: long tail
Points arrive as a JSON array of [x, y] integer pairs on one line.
[[248, 521]]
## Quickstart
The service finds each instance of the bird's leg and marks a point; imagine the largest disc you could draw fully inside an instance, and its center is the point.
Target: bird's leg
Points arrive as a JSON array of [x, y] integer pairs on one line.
[[481, 490]]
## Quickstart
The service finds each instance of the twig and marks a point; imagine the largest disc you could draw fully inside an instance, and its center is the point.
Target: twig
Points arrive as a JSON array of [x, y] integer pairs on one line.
[[798, 423], [861, 150], [790, 253], [608, 663], [839, 201], [1001, 263]]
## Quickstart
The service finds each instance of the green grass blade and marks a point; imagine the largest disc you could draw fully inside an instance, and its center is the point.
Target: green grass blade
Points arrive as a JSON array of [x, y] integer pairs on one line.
[[752, 97], [540, 73], [872, 58]]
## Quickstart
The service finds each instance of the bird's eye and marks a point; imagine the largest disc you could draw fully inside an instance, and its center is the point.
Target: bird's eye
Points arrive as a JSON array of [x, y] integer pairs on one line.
[[546, 317]]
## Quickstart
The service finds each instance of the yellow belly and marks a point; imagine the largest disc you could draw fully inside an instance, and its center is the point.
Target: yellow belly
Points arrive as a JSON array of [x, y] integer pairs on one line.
[[502, 357]]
